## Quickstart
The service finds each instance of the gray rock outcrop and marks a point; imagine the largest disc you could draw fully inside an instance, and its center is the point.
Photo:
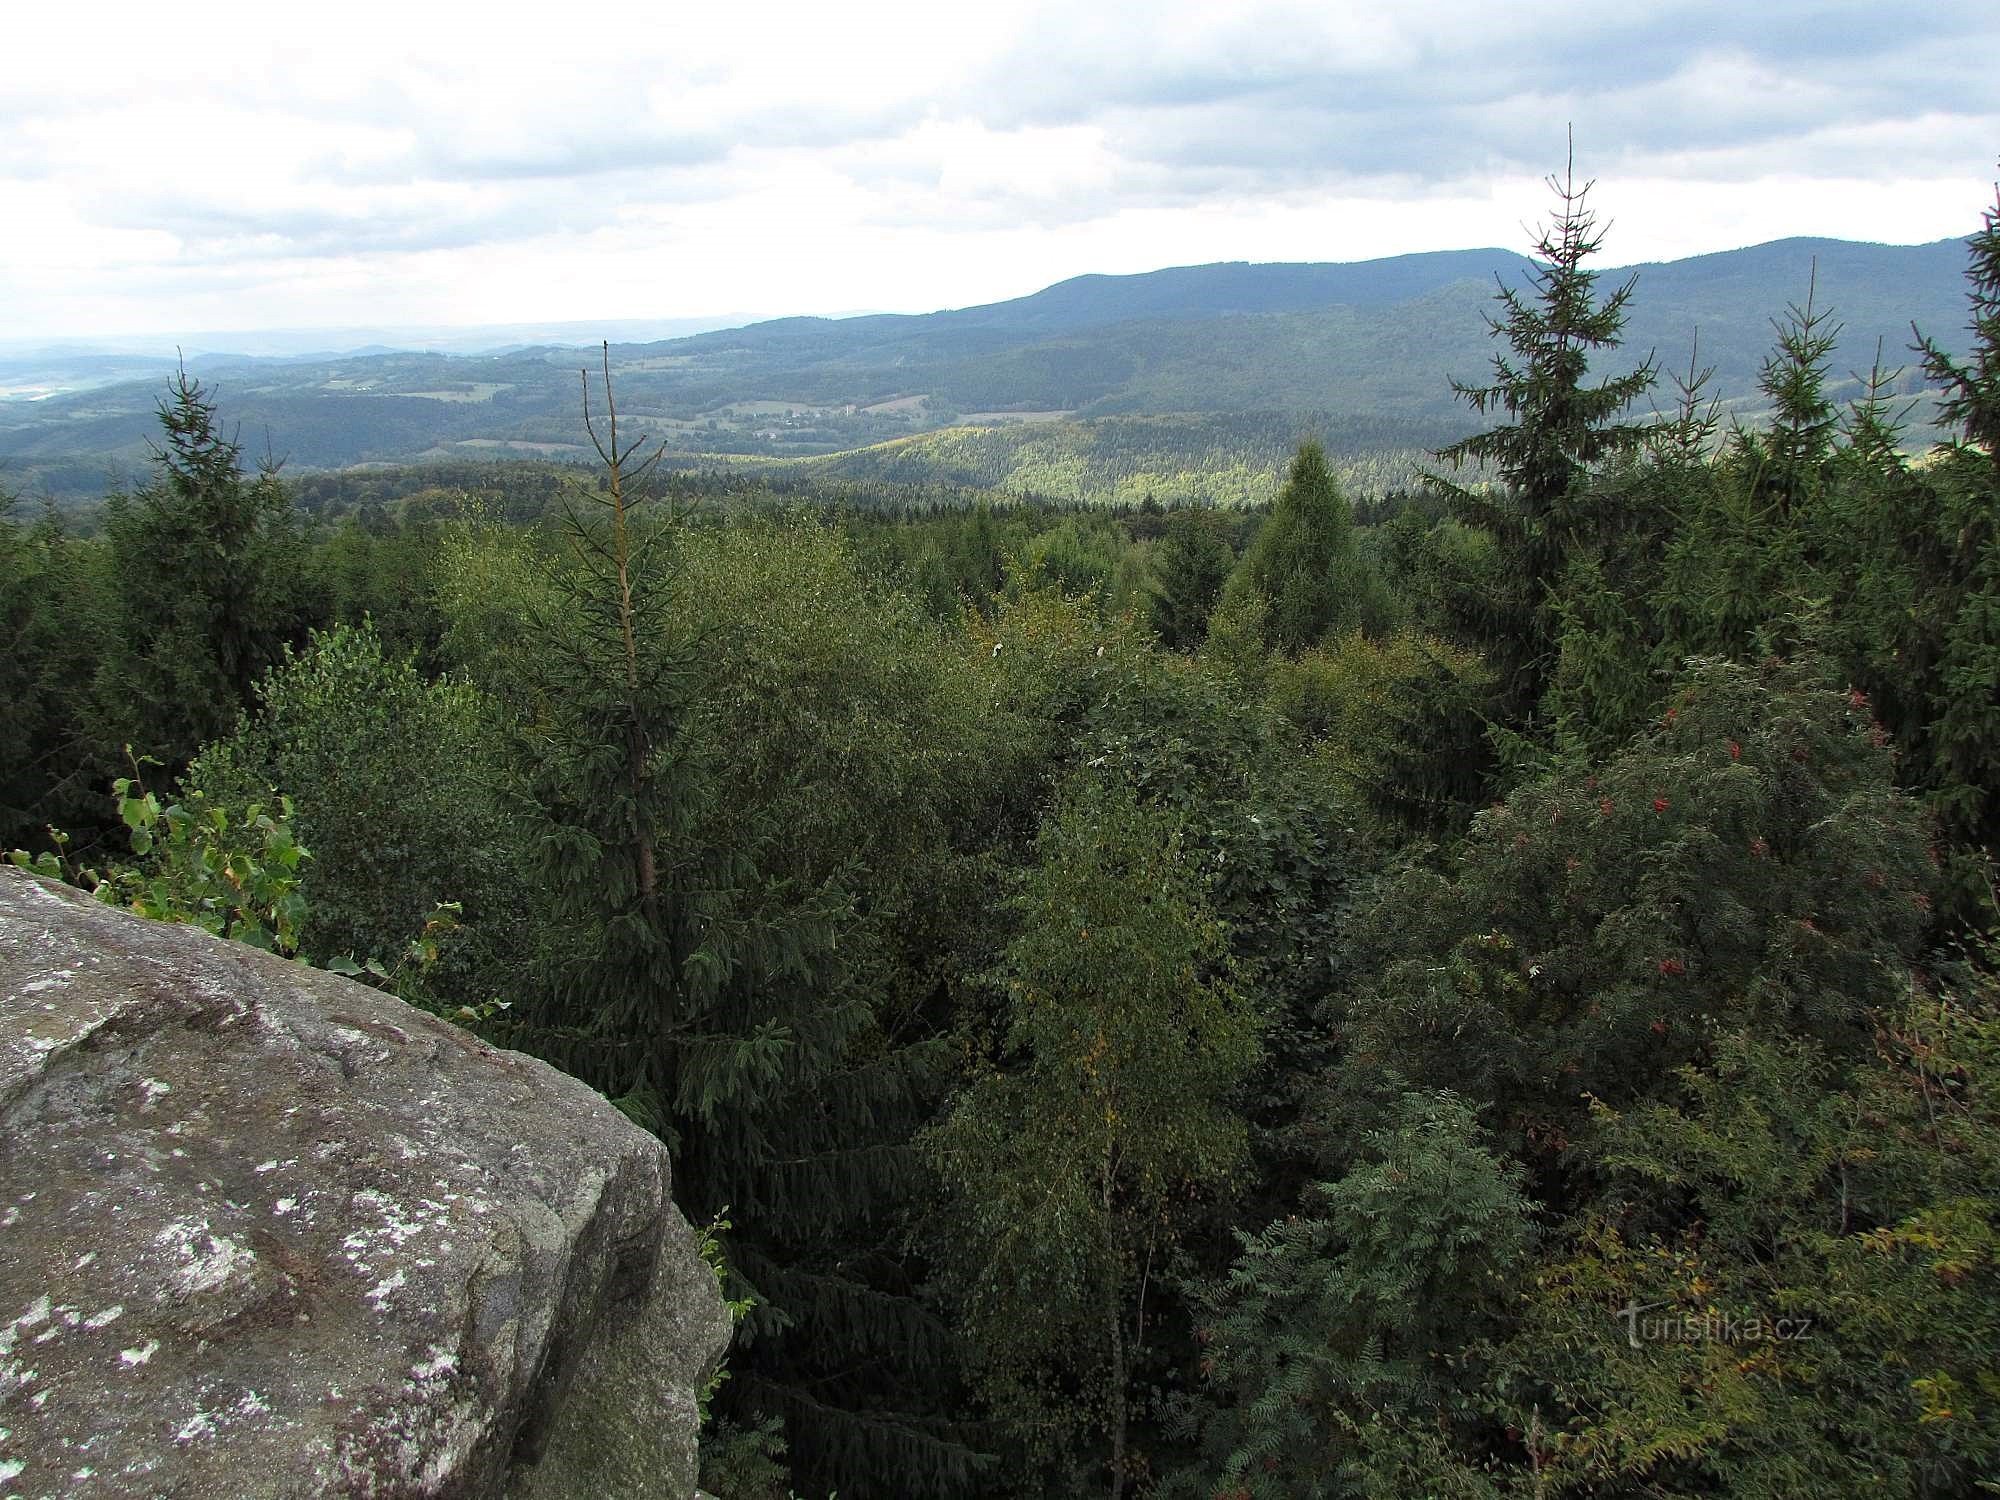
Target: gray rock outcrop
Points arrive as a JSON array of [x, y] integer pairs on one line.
[[268, 1232]]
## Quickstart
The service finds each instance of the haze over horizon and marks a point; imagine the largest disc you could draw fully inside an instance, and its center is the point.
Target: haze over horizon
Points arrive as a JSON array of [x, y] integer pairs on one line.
[[378, 168]]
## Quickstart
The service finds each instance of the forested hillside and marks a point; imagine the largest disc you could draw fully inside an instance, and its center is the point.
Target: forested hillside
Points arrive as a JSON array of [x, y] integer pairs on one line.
[[1487, 987], [1360, 353]]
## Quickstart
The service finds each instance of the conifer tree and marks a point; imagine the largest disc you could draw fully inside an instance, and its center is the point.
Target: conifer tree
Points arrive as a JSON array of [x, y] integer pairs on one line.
[[1799, 1258], [1972, 392], [1303, 565], [1193, 564], [57, 623], [1556, 430], [978, 559], [208, 565], [1786, 464], [648, 945], [1352, 1313], [1746, 861], [1958, 568], [734, 811]]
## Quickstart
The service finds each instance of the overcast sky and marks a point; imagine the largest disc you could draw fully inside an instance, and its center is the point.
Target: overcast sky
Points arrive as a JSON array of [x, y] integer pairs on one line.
[[174, 168]]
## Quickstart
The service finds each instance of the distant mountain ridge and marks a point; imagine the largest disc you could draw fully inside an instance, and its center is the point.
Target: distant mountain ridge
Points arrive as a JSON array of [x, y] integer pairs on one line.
[[1225, 288], [1370, 340]]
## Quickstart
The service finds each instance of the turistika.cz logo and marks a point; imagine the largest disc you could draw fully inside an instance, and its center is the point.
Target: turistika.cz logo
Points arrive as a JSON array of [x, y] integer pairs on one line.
[[1707, 1327]]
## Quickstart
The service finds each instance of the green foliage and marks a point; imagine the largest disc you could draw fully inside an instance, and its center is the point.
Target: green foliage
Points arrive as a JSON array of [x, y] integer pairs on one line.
[[1957, 559], [1073, 695], [1557, 431], [766, 1444], [1787, 462], [847, 756], [1819, 533], [1789, 1282], [1559, 428], [745, 1463], [208, 570], [1746, 863], [1074, 1154], [750, 767], [987, 903], [237, 876], [977, 564], [1972, 400], [1303, 564], [57, 623], [397, 788], [1199, 457], [1397, 723], [1360, 1306], [1606, 682], [379, 569]]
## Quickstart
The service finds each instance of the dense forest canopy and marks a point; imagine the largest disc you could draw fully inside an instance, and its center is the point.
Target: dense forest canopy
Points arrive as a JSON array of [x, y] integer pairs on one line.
[[1486, 988]]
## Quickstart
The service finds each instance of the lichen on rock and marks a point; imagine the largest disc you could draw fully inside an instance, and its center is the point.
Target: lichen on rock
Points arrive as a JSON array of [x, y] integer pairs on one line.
[[268, 1232]]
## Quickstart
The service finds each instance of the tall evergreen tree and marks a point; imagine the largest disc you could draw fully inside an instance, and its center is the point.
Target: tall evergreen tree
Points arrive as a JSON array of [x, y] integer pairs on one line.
[[1556, 429], [1339, 1329], [978, 560], [612, 700], [743, 809], [1958, 563], [1972, 392], [1747, 862], [209, 566], [1786, 464], [56, 628]]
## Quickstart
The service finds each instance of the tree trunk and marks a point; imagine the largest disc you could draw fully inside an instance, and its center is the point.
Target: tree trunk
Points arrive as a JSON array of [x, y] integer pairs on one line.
[[1115, 1322]]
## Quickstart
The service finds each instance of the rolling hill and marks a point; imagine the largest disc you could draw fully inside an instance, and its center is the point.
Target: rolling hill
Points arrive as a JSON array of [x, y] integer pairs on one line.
[[1361, 352]]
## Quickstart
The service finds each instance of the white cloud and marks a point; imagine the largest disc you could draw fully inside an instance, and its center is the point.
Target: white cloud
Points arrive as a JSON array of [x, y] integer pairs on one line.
[[367, 164]]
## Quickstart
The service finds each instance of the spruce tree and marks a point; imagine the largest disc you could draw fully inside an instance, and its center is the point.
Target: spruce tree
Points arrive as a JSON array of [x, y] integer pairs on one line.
[[613, 695], [209, 568], [1303, 564], [1556, 430], [1744, 862], [1957, 561], [1193, 564], [1786, 464], [1972, 392], [57, 625], [1340, 1328], [733, 808]]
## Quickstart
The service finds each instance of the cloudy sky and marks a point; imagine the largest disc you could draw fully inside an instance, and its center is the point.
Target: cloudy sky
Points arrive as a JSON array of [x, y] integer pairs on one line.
[[167, 169]]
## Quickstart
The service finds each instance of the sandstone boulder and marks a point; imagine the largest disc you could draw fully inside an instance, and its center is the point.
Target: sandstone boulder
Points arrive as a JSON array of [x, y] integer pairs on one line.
[[268, 1232]]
